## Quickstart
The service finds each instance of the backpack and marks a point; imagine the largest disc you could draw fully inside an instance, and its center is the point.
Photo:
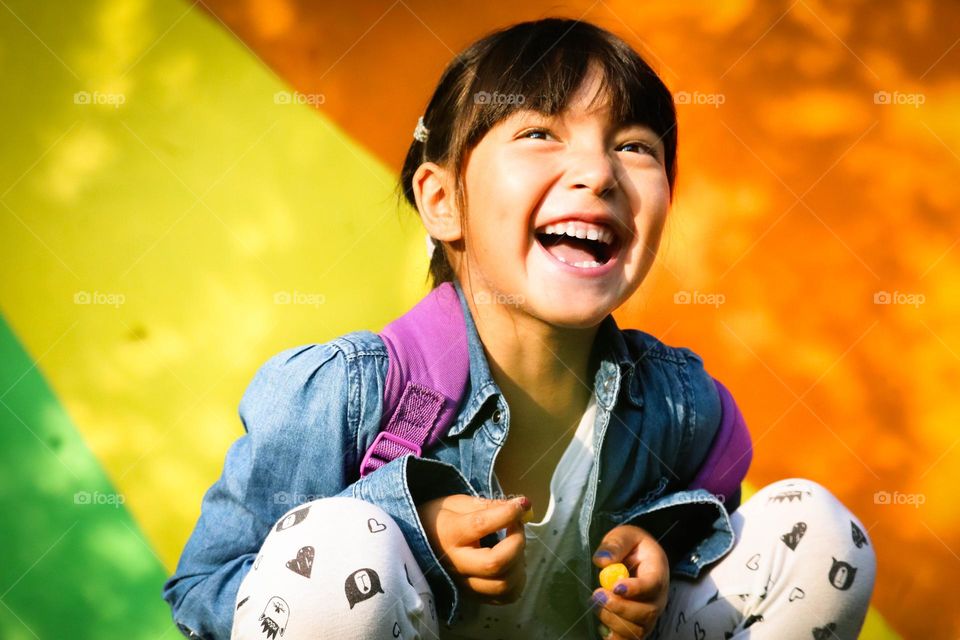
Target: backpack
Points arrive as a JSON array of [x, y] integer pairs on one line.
[[427, 374]]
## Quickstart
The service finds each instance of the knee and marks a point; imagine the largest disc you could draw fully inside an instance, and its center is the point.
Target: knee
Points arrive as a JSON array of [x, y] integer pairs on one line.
[[816, 503], [328, 509], [812, 514], [336, 566], [340, 519]]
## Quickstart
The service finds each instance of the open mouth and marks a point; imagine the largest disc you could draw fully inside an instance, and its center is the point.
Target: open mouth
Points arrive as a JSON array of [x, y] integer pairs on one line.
[[578, 243]]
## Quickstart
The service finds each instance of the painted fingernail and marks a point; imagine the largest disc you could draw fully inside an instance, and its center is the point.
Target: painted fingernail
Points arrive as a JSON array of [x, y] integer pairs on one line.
[[620, 589], [524, 503], [604, 630], [603, 555], [599, 599]]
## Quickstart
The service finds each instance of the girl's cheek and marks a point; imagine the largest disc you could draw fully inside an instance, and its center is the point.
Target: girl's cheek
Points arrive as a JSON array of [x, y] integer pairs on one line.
[[652, 191], [520, 176]]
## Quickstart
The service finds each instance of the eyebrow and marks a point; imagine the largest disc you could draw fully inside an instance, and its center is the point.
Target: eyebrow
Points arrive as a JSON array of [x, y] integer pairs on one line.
[[528, 112]]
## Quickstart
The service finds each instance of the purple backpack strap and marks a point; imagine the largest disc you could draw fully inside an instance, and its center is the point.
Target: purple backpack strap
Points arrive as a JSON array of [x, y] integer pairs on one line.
[[427, 373], [729, 456]]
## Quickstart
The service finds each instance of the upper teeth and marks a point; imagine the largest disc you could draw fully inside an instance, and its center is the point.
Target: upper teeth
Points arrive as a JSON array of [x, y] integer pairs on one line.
[[581, 230]]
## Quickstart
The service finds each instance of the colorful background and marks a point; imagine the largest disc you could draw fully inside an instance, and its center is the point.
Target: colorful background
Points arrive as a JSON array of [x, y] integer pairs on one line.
[[187, 188]]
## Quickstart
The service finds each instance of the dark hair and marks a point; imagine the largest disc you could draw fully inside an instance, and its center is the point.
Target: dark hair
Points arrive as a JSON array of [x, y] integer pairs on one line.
[[544, 61]]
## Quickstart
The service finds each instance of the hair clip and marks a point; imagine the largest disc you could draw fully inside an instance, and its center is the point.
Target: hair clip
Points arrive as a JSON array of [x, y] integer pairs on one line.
[[421, 132]]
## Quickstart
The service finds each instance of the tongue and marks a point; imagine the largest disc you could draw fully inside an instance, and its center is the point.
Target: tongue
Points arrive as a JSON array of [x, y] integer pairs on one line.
[[571, 250]]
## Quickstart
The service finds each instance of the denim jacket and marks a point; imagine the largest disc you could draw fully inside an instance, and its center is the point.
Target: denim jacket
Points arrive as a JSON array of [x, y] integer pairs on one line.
[[311, 412]]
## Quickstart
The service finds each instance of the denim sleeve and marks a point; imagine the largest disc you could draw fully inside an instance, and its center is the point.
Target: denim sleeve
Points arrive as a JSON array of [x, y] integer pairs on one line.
[[693, 528], [399, 487], [218, 554], [301, 443], [296, 397], [683, 405], [692, 523]]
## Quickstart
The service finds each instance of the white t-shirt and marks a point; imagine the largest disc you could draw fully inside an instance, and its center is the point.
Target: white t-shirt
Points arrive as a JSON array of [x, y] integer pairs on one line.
[[554, 603]]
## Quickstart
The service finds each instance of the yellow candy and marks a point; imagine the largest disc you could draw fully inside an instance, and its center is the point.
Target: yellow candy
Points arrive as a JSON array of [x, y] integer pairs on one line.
[[528, 515], [611, 573]]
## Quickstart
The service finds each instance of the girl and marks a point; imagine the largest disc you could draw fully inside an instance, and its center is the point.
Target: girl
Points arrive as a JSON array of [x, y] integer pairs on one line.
[[543, 169]]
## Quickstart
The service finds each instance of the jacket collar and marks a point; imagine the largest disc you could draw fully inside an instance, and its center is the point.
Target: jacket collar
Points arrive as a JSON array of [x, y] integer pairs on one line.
[[614, 361]]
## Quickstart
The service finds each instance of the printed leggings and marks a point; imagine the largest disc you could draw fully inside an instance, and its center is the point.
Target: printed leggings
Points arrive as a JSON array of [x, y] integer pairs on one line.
[[802, 567]]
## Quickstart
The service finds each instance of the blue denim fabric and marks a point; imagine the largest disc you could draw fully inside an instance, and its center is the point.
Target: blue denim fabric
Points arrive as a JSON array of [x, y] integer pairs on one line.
[[311, 412]]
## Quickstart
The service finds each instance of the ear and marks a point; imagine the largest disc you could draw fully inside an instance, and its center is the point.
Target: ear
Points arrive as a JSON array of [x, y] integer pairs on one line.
[[433, 188]]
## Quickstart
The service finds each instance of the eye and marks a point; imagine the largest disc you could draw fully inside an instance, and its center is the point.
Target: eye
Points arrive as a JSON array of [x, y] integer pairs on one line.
[[529, 133], [640, 147]]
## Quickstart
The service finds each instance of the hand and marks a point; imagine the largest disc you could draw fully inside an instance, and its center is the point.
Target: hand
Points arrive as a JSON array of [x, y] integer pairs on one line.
[[632, 608], [455, 524]]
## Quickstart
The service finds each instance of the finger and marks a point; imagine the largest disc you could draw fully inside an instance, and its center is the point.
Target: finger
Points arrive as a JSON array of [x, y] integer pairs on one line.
[[638, 611], [463, 503], [617, 543], [647, 549], [649, 567], [494, 515], [626, 618], [490, 562], [621, 629], [612, 635], [503, 590], [518, 524], [645, 588]]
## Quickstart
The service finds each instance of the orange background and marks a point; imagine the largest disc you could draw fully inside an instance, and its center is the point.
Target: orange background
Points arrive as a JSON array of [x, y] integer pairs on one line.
[[799, 198], [819, 151]]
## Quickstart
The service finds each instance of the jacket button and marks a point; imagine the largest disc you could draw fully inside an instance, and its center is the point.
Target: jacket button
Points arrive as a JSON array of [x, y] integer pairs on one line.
[[694, 558], [497, 416]]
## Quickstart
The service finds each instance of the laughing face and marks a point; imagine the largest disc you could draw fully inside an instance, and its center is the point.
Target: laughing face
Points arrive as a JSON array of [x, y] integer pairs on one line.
[[564, 212]]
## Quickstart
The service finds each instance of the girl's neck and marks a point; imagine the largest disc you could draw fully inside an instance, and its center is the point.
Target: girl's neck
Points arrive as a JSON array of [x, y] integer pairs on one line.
[[544, 372]]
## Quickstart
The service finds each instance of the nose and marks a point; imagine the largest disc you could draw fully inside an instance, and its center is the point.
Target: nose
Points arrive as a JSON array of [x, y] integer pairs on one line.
[[593, 169]]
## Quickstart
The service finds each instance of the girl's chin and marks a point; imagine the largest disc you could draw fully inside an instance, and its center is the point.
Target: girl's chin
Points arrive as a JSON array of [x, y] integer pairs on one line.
[[580, 312]]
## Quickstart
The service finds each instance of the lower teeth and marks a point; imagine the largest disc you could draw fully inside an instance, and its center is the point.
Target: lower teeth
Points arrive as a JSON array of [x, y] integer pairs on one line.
[[582, 265]]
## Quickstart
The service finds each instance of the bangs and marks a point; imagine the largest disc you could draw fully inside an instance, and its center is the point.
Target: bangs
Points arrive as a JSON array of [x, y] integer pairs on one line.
[[541, 69]]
